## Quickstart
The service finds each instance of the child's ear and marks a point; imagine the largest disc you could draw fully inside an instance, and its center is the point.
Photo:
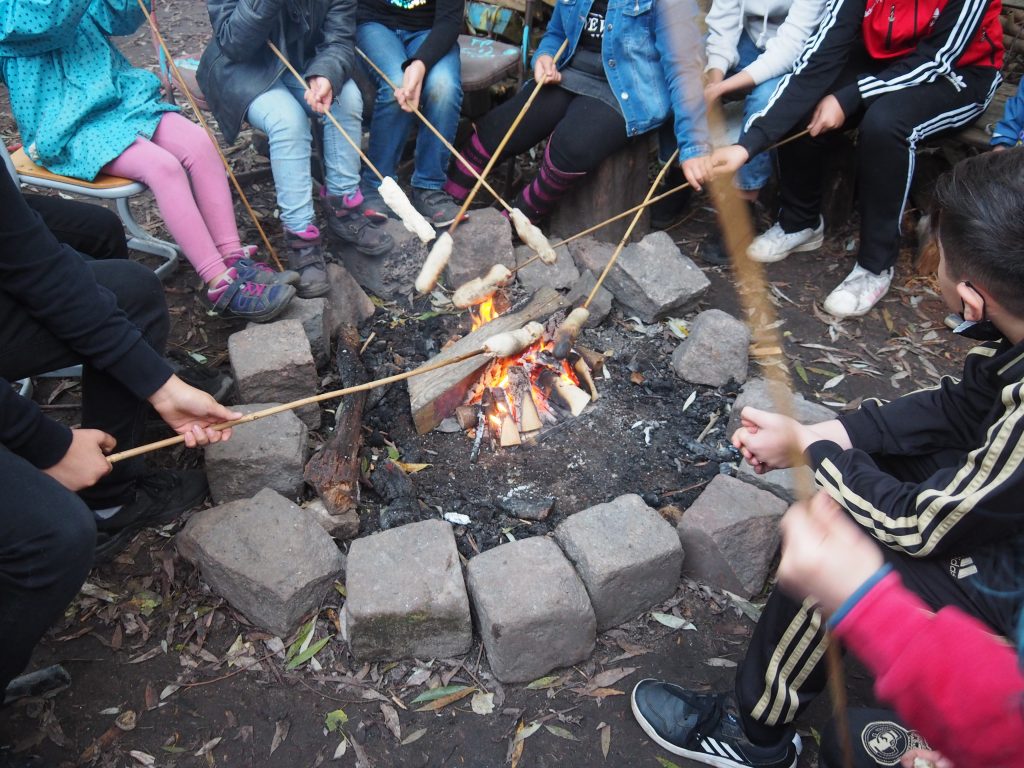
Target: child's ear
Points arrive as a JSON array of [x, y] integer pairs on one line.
[[973, 301]]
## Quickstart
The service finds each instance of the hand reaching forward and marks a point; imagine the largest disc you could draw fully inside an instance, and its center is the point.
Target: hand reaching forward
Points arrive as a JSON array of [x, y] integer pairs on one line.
[[85, 461], [409, 93], [319, 94], [828, 116], [728, 159], [191, 412]]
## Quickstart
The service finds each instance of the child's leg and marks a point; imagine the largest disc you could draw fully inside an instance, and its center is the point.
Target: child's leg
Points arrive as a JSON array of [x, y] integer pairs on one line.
[[389, 125], [589, 132], [192, 146], [341, 161], [159, 170], [281, 115], [547, 109], [441, 103]]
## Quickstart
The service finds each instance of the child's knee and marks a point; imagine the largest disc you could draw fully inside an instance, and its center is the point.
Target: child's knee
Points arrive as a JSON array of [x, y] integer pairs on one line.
[[443, 88], [349, 102]]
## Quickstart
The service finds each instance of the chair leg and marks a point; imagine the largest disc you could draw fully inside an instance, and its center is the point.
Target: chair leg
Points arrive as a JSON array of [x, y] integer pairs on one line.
[[141, 240]]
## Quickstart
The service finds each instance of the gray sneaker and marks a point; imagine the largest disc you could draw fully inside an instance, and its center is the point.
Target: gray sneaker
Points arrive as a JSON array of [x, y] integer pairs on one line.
[[306, 256], [436, 206]]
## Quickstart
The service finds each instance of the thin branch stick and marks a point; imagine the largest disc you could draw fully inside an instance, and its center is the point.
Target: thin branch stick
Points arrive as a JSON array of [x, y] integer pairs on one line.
[[327, 114], [115, 457], [209, 132], [440, 136], [501, 145], [629, 230]]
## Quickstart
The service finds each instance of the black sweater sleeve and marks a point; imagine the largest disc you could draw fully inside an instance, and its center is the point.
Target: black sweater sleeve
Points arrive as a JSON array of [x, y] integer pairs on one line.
[[24, 430], [974, 501], [812, 78], [53, 284]]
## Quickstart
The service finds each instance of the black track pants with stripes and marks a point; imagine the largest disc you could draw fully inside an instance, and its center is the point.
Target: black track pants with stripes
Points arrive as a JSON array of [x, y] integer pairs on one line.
[[890, 129], [784, 668]]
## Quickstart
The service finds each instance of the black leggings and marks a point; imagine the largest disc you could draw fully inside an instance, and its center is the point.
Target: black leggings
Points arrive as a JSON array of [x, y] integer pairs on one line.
[[583, 130], [92, 230]]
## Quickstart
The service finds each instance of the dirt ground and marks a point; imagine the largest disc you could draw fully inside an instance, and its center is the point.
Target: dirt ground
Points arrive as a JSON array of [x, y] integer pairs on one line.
[[167, 674]]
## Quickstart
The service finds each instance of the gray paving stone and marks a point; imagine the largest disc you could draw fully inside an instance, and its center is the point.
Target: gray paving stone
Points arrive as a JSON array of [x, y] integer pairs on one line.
[[651, 279], [717, 350], [536, 275], [313, 314], [392, 275], [784, 483], [341, 527], [600, 307], [269, 453], [347, 302], [757, 393], [267, 557], [406, 594], [481, 241], [273, 363], [730, 535], [532, 609], [627, 555]]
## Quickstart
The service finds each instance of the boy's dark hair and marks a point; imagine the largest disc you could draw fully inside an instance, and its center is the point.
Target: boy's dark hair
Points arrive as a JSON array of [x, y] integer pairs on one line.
[[978, 215]]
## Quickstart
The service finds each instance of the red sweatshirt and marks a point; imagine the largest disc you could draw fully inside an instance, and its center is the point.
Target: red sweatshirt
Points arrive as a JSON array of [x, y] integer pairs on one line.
[[945, 673]]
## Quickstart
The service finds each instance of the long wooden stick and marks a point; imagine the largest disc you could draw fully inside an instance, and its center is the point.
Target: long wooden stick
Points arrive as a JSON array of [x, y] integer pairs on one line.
[[629, 230], [501, 145], [148, 448], [209, 132], [440, 136], [355, 144]]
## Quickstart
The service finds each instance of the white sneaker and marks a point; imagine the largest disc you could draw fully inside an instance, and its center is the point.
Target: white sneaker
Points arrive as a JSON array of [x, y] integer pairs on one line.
[[775, 245], [858, 293]]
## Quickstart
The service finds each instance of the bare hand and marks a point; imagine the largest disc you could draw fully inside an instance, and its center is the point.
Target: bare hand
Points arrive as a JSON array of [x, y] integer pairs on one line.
[[698, 171], [319, 94], [1000, 148], [545, 72], [935, 758], [713, 86], [408, 94], [730, 159], [825, 555], [828, 116], [191, 412], [768, 440], [85, 461]]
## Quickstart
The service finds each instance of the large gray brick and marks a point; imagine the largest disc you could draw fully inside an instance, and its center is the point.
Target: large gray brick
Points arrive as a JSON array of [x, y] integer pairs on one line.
[[532, 609], [600, 307], [269, 453], [537, 274], [406, 594], [273, 363], [312, 313], [716, 350], [347, 302], [730, 535], [483, 240], [627, 555], [651, 279], [267, 557]]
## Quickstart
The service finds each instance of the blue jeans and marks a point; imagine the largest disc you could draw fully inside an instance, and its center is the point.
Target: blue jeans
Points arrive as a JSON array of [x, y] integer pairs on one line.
[[440, 103], [282, 113], [758, 169]]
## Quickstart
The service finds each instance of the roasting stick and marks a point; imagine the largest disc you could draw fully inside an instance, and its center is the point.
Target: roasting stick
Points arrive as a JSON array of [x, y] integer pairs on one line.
[[528, 232], [499, 345], [213, 139], [392, 194], [438, 257]]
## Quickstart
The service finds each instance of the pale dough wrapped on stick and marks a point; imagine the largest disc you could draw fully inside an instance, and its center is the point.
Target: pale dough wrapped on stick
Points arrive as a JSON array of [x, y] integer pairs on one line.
[[479, 289], [513, 342]]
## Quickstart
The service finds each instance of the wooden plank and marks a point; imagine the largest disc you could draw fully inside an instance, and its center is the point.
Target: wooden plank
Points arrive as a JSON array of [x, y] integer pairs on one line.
[[435, 395]]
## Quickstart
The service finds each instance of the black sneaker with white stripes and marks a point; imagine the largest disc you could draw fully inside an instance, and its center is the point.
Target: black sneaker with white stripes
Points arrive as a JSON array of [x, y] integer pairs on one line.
[[704, 727]]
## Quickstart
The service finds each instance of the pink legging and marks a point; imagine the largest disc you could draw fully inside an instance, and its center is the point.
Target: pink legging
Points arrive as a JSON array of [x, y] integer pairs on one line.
[[199, 215]]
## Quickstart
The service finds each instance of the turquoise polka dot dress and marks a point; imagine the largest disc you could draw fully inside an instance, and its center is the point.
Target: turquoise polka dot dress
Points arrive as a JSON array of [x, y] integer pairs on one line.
[[77, 100]]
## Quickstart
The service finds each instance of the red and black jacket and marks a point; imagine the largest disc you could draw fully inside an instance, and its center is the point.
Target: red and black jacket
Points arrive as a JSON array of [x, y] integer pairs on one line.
[[914, 41]]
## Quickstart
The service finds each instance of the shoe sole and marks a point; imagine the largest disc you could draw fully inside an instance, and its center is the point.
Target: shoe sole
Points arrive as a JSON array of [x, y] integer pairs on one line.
[[377, 250], [315, 294], [700, 757], [270, 314], [845, 315], [811, 245]]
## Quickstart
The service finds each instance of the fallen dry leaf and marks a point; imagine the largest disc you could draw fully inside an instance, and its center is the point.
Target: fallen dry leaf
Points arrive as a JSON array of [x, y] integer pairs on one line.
[[280, 734], [418, 733], [208, 747], [610, 677], [444, 701], [606, 739], [600, 693], [391, 720], [562, 733]]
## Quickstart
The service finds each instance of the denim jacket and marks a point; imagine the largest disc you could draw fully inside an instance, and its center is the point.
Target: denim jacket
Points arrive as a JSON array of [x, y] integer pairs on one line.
[[653, 56], [1009, 132]]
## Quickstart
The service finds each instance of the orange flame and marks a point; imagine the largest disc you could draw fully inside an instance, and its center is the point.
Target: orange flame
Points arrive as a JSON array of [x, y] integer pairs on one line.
[[484, 313]]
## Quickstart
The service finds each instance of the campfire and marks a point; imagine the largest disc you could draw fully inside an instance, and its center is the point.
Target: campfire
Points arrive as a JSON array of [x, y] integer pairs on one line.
[[521, 396]]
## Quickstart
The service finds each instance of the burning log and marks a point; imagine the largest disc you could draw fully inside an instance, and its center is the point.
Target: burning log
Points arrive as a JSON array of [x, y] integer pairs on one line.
[[435, 395], [522, 399], [509, 432], [562, 392], [583, 373], [466, 415], [594, 360], [334, 471]]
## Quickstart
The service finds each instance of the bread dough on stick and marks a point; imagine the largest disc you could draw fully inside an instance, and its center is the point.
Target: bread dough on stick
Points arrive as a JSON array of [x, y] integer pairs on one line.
[[513, 342], [567, 332], [435, 263], [531, 235], [479, 289], [412, 219]]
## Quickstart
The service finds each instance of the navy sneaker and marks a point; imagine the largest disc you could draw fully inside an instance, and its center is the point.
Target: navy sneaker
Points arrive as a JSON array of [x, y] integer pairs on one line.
[[704, 727], [374, 208], [235, 297], [436, 206]]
